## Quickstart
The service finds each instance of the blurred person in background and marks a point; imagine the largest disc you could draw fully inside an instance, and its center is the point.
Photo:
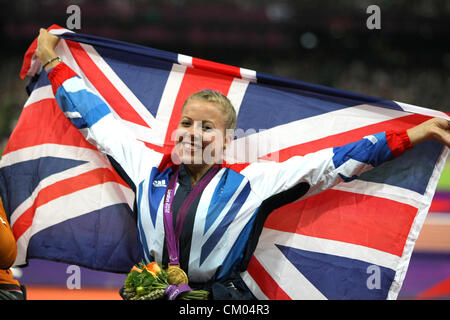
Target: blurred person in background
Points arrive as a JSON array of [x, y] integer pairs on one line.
[[10, 288]]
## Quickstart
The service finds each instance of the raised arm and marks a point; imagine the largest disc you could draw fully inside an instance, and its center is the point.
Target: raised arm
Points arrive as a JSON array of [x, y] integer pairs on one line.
[[103, 129], [326, 168], [437, 129]]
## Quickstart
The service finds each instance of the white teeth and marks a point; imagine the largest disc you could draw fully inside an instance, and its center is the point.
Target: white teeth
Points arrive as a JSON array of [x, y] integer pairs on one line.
[[190, 147]]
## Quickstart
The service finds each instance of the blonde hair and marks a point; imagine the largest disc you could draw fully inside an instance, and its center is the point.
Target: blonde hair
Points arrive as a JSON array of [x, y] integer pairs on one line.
[[222, 101]]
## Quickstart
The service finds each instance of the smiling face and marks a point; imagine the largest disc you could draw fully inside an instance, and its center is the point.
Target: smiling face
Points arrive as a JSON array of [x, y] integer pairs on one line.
[[201, 133]]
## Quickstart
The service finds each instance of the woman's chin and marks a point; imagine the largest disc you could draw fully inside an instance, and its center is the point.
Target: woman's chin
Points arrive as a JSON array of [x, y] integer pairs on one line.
[[191, 158]]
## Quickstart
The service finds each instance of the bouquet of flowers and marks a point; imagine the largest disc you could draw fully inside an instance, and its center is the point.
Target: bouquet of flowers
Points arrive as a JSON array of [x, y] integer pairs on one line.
[[151, 282]]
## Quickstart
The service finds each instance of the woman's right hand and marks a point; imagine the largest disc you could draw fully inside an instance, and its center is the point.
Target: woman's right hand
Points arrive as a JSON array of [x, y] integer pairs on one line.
[[45, 50]]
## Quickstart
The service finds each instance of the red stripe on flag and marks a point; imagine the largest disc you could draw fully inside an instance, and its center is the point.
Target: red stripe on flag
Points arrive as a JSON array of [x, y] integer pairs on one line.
[[62, 188], [219, 68], [340, 139], [104, 86], [155, 147], [44, 122], [194, 80], [238, 167], [360, 219], [27, 59], [265, 281]]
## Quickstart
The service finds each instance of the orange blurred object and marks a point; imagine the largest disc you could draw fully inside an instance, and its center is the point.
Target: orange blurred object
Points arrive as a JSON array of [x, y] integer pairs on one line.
[[62, 293], [135, 269]]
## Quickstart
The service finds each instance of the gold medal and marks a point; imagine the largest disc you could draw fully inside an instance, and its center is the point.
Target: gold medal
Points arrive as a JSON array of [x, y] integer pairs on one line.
[[176, 275]]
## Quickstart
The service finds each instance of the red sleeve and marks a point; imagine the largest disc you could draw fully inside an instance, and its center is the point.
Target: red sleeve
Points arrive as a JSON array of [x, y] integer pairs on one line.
[[398, 141], [59, 74]]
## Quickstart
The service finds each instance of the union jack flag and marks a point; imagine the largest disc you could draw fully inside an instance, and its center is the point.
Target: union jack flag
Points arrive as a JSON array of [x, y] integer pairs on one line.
[[66, 202]]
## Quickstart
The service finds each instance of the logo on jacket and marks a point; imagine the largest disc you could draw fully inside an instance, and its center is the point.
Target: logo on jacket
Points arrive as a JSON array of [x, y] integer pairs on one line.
[[159, 183]]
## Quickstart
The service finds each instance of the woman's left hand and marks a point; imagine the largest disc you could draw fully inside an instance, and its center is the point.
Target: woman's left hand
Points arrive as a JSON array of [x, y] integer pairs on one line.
[[46, 48], [437, 129]]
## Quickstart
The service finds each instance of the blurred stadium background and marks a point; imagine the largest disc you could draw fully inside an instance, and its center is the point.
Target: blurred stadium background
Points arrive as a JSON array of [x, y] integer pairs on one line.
[[324, 42]]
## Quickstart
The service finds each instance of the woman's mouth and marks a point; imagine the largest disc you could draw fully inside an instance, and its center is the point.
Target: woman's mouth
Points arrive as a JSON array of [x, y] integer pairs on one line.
[[192, 148]]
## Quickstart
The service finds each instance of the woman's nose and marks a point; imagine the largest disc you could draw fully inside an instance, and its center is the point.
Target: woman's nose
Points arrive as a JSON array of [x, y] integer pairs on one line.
[[193, 132], [196, 130]]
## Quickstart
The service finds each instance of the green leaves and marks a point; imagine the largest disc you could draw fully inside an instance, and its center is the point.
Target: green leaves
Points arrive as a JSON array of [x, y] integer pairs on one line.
[[133, 280], [142, 284]]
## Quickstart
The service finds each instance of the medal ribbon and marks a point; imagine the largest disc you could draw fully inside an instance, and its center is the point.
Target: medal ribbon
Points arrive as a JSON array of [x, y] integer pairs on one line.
[[172, 290], [173, 236]]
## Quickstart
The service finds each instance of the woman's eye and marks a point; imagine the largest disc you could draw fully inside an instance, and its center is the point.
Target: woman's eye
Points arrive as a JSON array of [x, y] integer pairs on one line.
[[207, 128], [185, 123]]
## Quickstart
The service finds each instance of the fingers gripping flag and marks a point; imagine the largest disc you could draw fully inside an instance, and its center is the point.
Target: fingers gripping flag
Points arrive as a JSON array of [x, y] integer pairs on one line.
[[66, 202]]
